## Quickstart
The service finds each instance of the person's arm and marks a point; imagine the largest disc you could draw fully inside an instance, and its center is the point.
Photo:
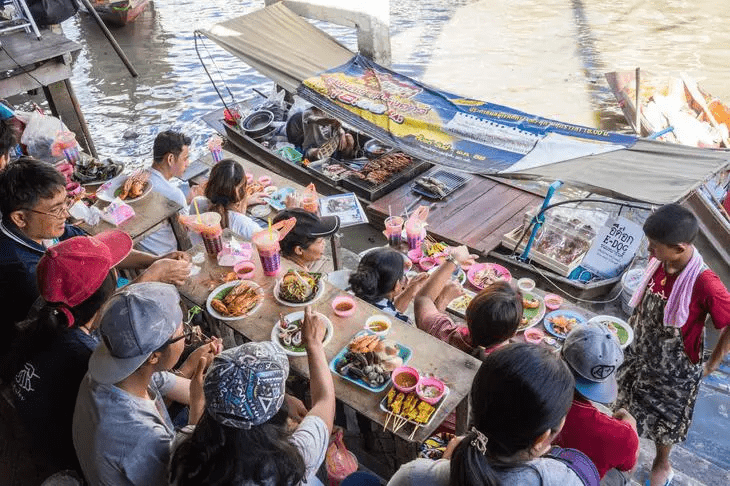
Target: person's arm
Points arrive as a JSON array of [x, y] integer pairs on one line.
[[425, 299], [718, 306], [321, 386], [631, 440], [141, 259], [402, 300], [718, 354], [166, 270]]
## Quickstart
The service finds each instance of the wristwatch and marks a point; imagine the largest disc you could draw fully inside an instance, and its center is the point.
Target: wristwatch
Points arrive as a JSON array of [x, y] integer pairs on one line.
[[451, 259]]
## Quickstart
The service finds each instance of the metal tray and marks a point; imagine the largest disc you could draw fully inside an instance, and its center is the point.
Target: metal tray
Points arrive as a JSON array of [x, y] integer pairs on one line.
[[371, 191], [451, 181]]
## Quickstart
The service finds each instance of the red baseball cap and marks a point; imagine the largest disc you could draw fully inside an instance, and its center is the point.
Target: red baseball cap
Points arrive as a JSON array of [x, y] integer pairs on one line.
[[71, 271]]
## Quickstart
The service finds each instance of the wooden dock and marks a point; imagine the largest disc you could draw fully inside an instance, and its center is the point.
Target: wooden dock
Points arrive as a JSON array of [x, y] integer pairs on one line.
[[29, 63]]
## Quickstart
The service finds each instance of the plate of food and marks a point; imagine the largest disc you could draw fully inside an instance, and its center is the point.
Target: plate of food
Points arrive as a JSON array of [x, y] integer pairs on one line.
[[405, 408], [459, 275], [559, 323], [235, 299], [128, 188], [482, 275], [619, 327], [277, 200], [297, 288], [287, 333], [458, 305], [369, 359], [533, 310]]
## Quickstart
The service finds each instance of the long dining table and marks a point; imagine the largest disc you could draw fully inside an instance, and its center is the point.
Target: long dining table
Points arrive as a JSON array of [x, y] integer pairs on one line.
[[429, 354]]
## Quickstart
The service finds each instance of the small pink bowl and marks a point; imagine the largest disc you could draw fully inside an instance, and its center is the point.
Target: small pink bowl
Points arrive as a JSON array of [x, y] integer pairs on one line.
[[430, 382], [534, 335], [245, 270], [74, 188], [426, 264], [415, 255], [264, 180], [553, 301], [408, 371], [341, 300]]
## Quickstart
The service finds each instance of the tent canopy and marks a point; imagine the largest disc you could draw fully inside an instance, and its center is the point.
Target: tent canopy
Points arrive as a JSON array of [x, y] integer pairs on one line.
[[490, 139]]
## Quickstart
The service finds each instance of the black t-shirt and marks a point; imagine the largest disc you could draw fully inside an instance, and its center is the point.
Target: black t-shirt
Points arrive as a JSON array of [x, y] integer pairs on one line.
[[45, 392]]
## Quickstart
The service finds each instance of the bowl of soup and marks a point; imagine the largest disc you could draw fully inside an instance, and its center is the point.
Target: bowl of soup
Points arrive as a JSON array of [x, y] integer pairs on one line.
[[343, 306], [405, 379], [430, 390], [378, 324]]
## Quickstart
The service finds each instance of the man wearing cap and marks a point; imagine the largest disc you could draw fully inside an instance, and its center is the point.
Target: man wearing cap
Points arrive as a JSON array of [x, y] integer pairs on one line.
[[121, 428], [34, 208], [593, 354], [305, 243]]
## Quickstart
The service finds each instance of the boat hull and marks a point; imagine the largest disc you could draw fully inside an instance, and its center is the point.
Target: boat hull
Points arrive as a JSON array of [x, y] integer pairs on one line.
[[120, 13]]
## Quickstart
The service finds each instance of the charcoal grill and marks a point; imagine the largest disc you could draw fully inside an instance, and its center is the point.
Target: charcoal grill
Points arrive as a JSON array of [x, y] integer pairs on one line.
[[451, 181]]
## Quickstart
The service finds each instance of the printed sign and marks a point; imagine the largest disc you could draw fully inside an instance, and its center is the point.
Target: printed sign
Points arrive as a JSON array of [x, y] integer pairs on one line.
[[613, 247]]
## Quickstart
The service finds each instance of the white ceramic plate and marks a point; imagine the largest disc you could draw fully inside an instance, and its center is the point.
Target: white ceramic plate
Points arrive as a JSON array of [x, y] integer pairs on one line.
[[228, 285], [629, 336], [299, 351], [318, 295], [106, 191]]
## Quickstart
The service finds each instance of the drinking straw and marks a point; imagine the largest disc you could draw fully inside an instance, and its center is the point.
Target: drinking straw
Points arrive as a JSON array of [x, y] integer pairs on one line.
[[390, 212], [197, 211], [271, 235]]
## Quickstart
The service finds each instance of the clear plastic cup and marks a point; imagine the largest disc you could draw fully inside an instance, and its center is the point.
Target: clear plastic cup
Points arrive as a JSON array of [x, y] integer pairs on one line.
[[267, 246], [210, 231], [394, 230], [414, 234]]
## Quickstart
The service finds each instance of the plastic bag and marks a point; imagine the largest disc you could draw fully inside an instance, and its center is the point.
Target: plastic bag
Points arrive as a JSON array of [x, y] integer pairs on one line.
[[340, 462], [310, 199], [39, 134]]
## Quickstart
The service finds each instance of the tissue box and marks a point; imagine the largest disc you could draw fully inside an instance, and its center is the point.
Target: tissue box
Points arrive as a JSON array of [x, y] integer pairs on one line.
[[117, 212]]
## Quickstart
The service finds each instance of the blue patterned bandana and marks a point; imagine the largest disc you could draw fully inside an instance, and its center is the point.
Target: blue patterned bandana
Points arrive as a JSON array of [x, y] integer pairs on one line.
[[245, 385]]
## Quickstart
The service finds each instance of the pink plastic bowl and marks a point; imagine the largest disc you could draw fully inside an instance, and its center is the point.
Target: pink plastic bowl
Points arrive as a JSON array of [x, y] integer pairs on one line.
[[74, 188], [534, 335], [245, 270], [430, 382], [426, 264], [264, 180], [405, 370], [553, 301], [415, 255], [340, 300]]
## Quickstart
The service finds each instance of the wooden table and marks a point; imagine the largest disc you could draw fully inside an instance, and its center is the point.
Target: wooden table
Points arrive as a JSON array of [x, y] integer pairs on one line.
[[150, 211], [430, 355], [476, 215]]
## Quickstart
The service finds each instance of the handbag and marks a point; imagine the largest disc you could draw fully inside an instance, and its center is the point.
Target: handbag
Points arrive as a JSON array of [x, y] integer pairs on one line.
[[578, 462], [49, 12]]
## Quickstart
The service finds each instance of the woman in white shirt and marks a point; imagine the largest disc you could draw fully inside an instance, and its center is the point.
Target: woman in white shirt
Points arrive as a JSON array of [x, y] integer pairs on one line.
[[225, 194]]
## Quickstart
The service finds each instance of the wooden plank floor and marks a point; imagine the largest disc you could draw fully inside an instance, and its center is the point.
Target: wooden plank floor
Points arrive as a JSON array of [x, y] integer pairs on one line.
[[477, 215], [26, 50]]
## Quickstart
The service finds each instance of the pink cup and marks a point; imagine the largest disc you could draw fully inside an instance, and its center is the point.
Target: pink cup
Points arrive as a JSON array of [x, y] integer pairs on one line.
[[407, 370], [339, 306], [245, 270]]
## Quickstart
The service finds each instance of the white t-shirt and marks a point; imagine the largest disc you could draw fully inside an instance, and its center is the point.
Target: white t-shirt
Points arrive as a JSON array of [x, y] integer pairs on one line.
[[121, 439], [239, 223], [163, 240], [538, 472], [311, 438]]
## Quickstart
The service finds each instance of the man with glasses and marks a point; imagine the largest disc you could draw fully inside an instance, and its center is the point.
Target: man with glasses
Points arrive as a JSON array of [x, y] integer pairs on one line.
[[34, 210], [121, 428]]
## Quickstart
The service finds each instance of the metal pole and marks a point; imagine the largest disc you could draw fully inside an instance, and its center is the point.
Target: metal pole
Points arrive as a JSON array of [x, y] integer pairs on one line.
[[110, 38]]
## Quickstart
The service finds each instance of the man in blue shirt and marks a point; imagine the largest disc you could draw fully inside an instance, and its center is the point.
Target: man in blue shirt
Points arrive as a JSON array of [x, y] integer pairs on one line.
[[34, 208]]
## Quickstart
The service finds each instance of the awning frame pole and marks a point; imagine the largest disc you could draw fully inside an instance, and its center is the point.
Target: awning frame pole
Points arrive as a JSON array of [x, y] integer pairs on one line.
[[539, 219]]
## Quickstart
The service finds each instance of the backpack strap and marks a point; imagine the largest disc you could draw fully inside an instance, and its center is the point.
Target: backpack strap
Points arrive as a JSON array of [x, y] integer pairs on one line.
[[578, 462]]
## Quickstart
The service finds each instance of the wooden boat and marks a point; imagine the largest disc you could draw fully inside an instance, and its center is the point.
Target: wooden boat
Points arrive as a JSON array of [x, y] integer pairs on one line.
[[696, 118], [119, 13]]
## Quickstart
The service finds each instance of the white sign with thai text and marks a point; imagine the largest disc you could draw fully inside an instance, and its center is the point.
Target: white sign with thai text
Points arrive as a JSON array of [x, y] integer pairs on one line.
[[613, 248]]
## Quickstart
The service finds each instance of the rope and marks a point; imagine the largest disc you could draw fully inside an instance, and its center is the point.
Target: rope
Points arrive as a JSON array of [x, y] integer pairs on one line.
[[197, 51]]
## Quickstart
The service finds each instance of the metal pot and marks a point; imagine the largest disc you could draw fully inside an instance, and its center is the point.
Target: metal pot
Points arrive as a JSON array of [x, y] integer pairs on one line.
[[375, 148], [258, 123]]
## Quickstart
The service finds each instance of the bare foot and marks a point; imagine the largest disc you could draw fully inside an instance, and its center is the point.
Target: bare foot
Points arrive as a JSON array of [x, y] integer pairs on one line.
[[660, 473], [450, 291]]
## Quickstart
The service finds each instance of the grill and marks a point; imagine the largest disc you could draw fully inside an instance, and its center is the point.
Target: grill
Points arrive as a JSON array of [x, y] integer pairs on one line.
[[451, 181]]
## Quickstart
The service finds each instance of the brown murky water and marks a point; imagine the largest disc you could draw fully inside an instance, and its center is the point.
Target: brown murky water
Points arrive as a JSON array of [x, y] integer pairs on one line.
[[571, 42]]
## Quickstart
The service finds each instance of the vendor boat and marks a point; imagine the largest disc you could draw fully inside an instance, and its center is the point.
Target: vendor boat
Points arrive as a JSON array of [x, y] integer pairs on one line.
[[119, 13]]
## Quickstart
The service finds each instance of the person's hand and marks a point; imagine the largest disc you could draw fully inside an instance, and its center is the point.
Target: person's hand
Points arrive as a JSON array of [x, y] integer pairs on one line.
[[293, 200], [417, 281], [197, 398], [461, 255], [313, 328], [296, 409], [450, 291], [623, 415], [165, 270], [256, 198], [451, 446], [176, 255], [209, 350]]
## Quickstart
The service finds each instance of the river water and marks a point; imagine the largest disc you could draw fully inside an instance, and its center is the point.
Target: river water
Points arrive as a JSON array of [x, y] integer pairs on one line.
[[545, 57]]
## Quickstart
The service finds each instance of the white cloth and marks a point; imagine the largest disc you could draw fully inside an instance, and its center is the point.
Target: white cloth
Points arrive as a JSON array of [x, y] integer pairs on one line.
[[311, 438], [163, 240], [121, 439], [542, 471]]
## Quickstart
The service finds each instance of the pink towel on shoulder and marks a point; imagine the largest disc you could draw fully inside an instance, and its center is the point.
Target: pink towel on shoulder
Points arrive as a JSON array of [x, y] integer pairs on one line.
[[676, 311]]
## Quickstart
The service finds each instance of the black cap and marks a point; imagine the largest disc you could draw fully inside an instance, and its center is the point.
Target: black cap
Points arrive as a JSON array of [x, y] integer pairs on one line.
[[310, 225]]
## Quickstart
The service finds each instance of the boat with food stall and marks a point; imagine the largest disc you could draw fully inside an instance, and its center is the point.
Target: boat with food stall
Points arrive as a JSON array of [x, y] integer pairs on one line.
[[119, 13], [477, 156]]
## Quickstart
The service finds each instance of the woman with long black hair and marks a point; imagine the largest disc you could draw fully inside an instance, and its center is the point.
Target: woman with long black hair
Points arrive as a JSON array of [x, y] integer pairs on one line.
[[520, 397]]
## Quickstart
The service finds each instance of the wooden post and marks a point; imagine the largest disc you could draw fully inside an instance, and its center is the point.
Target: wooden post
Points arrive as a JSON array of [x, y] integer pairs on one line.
[[637, 125], [64, 105]]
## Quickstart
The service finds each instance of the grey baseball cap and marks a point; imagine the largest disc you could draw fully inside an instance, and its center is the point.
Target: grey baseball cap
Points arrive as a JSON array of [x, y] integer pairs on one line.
[[134, 323], [245, 385], [594, 354]]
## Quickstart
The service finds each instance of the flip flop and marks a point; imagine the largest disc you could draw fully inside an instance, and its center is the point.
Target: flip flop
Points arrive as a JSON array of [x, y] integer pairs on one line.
[[668, 482]]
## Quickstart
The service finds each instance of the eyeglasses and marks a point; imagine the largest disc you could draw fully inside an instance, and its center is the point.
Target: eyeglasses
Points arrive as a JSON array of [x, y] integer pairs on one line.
[[59, 213], [185, 335]]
